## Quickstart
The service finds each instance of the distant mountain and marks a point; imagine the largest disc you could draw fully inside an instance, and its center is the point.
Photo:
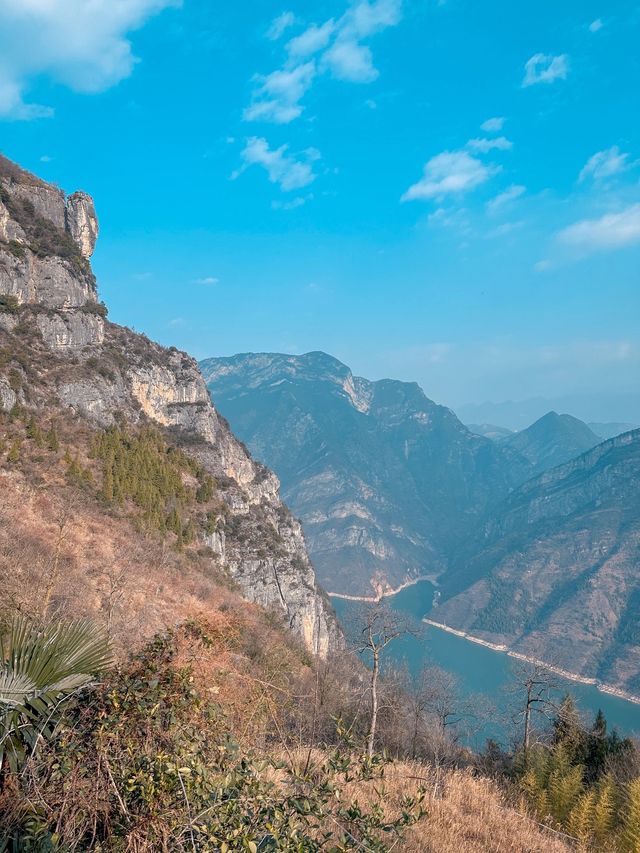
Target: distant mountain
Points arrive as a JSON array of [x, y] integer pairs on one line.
[[490, 431], [384, 480], [552, 440], [605, 431], [555, 570], [517, 415]]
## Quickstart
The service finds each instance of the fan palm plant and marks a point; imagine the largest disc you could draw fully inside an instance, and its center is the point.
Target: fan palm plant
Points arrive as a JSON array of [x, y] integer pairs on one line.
[[41, 668]]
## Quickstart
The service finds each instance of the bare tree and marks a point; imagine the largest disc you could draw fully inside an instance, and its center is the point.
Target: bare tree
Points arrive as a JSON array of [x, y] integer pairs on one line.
[[381, 627], [534, 685]]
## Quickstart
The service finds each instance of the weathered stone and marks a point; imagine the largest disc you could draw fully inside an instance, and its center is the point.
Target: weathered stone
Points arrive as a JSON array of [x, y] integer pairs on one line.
[[82, 222], [50, 281], [8, 398], [70, 329]]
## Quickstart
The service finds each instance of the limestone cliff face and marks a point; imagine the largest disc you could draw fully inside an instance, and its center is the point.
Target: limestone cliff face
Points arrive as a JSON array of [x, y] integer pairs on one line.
[[105, 373]]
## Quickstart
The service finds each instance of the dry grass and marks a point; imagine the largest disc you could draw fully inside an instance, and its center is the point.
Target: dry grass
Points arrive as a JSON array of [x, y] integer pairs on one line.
[[465, 813]]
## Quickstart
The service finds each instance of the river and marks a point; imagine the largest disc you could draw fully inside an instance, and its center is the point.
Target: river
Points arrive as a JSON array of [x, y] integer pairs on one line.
[[485, 677]]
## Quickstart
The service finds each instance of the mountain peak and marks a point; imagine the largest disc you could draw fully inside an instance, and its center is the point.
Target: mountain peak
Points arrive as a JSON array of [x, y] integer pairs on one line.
[[552, 440]]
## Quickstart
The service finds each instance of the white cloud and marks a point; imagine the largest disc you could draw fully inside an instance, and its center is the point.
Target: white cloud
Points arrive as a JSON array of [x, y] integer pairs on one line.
[[278, 96], [348, 59], [605, 164], [611, 231], [280, 24], [500, 143], [208, 280], [452, 172], [82, 45], [493, 125], [596, 25], [506, 228], [313, 39], [276, 204], [351, 61], [510, 194], [340, 51], [544, 68], [282, 168]]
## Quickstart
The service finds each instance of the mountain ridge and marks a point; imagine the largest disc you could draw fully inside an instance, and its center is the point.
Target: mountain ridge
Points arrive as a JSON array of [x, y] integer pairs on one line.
[[61, 353], [374, 469], [576, 529]]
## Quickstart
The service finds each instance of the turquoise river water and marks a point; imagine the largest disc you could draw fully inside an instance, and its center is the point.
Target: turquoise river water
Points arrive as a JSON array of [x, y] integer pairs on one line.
[[485, 677]]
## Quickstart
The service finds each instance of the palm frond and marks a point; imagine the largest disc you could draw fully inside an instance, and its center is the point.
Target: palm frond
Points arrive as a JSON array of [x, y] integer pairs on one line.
[[40, 668]]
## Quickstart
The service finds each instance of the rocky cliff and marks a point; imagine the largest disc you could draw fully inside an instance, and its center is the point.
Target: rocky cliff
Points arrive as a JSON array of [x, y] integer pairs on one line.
[[385, 480], [59, 350], [555, 570]]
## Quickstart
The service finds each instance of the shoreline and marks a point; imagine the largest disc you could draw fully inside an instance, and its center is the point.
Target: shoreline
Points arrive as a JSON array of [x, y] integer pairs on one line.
[[570, 676], [385, 593]]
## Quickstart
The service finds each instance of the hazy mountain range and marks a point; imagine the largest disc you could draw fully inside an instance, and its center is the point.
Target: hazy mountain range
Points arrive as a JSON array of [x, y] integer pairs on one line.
[[533, 535], [603, 409]]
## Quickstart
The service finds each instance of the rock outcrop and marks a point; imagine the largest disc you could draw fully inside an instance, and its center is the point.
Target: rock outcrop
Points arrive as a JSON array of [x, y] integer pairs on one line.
[[105, 373]]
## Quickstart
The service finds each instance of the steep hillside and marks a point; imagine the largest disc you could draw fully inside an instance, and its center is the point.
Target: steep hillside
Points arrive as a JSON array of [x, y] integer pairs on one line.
[[552, 440], [555, 572], [61, 358], [384, 480]]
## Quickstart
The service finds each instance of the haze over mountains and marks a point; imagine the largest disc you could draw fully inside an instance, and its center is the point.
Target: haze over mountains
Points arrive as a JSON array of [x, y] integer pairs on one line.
[[533, 535], [606, 410], [555, 571], [383, 478]]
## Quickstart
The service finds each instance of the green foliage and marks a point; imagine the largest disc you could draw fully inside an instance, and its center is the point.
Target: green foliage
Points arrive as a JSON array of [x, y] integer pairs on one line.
[[142, 468], [52, 440], [9, 304], [34, 433], [97, 308], [150, 764], [630, 835], [568, 785], [40, 668], [77, 475], [15, 452]]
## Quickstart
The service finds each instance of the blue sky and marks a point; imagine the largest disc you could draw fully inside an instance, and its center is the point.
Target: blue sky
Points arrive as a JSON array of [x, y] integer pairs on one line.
[[440, 191]]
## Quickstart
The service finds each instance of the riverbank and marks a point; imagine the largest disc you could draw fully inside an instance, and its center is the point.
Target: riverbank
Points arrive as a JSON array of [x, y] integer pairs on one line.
[[563, 673], [385, 592]]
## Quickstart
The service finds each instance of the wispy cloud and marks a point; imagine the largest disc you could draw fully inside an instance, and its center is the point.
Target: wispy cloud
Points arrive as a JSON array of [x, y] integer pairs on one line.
[[544, 68], [611, 231], [337, 47], [596, 26], [208, 280], [278, 95], [294, 203], [499, 143], [280, 25], [510, 194], [83, 46], [493, 125], [348, 58], [449, 173], [286, 170], [605, 164], [312, 40]]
